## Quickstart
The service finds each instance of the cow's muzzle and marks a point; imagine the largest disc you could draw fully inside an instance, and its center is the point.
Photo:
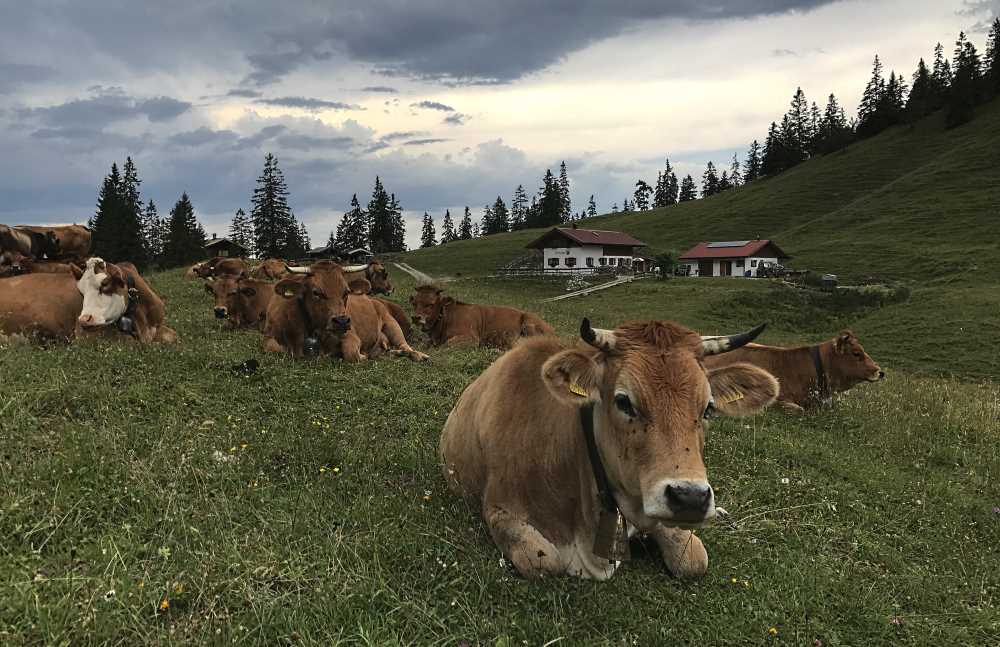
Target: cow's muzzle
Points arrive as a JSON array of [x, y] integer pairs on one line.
[[340, 324], [878, 376], [689, 501], [220, 313]]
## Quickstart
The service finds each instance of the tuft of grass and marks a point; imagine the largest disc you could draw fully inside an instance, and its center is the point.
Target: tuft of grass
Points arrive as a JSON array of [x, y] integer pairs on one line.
[[148, 495]]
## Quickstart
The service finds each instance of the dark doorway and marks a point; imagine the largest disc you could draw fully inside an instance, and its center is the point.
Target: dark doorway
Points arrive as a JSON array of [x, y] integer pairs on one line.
[[725, 268]]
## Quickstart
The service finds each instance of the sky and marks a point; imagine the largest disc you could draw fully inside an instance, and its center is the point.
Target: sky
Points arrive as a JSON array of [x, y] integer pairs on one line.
[[452, 104]]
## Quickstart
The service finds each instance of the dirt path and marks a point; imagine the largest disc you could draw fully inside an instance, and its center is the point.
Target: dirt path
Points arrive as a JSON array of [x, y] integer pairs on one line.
[[419, 276]]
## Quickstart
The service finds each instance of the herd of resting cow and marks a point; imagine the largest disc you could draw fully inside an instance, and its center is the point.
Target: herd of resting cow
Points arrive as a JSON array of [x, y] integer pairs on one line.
[[568, 449]]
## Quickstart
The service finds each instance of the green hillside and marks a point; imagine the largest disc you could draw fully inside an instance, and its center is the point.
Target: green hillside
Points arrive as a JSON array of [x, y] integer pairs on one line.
[[917, 202]]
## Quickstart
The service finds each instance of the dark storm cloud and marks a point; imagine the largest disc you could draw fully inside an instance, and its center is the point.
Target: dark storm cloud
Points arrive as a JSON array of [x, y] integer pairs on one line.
[[243, 92], [384, 89], [432, 105], [310, 142], [306, 103], [425, 142], [455, 119], [107, 107], [202, 137]]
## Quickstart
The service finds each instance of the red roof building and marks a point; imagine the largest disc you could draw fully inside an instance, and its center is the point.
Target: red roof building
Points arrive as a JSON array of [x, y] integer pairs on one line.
[[732, 258], [586, 250]]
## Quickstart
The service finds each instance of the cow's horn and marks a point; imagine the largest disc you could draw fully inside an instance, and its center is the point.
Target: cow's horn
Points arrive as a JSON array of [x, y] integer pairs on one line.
[[726, 343], [296, 269], [597, 337]]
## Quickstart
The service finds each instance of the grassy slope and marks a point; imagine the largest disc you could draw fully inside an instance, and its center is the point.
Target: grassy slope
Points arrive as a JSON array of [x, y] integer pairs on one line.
[[913, 203], [330, 523]]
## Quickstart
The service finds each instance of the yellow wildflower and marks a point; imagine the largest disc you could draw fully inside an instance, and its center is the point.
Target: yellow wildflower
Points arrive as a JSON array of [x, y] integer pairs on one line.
[[164, 604], [773, 631]]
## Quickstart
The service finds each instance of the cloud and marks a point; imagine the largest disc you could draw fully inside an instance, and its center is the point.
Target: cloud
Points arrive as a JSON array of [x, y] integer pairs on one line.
[[309, 142], [201, 137], [14, 75], [988, 10], [243, 92], [384, 89], [455, 119], [432, 105], [781, 53], [110, 105], [425, 142], [306, 103], [395, 136]]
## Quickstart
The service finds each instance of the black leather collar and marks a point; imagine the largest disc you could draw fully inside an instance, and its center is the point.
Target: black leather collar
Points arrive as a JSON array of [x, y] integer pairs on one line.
[[596, 464], [822, 383]]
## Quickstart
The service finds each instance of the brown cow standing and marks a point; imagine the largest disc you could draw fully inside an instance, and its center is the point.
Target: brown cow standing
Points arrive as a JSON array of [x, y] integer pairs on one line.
[[42, 306], [809, 375], [320, 312], [33, 244], [241, 301], [272, 269], [73, 241], [553, 440], [447, 321], [118, 303]]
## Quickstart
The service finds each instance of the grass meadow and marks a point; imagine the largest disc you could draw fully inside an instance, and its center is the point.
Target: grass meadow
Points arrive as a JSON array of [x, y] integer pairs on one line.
[[150, 496]]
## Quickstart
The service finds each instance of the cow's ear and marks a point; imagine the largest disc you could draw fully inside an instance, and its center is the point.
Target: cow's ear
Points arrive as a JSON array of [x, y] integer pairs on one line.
[[360, 286], [77, 272], [573, 377], [843, 340], [288, 288], [248, 291], [742, 389]]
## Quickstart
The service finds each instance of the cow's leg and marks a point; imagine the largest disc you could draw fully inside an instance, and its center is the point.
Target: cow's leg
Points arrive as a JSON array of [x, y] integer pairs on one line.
[[271, 345], [790, 407], [165, 334], [682, 551], [462, 339], [350, 347], [394, 334], [532, 554]]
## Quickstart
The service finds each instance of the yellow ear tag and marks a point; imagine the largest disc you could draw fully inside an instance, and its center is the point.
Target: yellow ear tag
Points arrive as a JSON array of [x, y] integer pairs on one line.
[[733, 398], [576, 389]]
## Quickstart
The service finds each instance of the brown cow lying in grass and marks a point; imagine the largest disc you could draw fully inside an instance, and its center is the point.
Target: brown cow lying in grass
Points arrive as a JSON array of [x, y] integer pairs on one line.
[[809, 375], [271, 269], [319, 313], [447, 321], [39, 306], [552, 441], [15, 263], [242, 302]]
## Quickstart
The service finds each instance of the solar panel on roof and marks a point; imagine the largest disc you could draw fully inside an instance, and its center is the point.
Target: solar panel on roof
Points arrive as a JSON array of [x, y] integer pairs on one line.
[[728, 243]]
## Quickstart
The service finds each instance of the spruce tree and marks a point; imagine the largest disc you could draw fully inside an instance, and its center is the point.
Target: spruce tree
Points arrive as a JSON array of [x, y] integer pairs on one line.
[[752, 166], [427, 234], [724, 182], [688, 190], [274, 227], [566, 210], [398, 225], [476, 230], [352, 232], [614, 207], [814, 121], [964, 93], [709, 181], [448, 233], [992, 62], [501, 215], [735, 175], [465, 226], [185, 240], [642, 193], [488, 222], [380, 226], [941, 76], [834, 131], [106, 222], [591, 207], [131, 233], [518, 208], [548, 211], [241, 231], [155, 233], [871, 100], [921, 101], [797, 136]]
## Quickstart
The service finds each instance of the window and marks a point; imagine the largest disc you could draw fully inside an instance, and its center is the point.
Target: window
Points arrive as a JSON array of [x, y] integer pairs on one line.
[[603, 261], [590, 261], [740, 262], [753, 263], [553, 262], [570, 261], [223, 252], [621, 261]]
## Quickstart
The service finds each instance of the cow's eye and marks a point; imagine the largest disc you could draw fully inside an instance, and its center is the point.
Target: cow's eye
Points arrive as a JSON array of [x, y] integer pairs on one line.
[[624, 405], [318, 294], [858, 355], [709, 411]]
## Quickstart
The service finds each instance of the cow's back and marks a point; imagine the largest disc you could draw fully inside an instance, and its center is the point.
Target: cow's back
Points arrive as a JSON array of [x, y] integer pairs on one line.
[[508, 434], [504, 325], [793, 367], [397, 313], [42, 305]]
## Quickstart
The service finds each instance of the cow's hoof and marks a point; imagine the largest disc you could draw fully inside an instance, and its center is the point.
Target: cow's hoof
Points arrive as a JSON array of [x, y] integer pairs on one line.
[[417, 356]]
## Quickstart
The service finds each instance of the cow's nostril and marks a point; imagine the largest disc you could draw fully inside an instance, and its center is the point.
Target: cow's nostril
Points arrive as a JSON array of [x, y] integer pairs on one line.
[[342, 322], [687, 497], [881, 375], [220, 313]]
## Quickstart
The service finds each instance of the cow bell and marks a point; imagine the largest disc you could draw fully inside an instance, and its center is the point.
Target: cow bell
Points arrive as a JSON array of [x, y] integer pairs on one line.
[[611, 538], [310, 346], [126, 324]]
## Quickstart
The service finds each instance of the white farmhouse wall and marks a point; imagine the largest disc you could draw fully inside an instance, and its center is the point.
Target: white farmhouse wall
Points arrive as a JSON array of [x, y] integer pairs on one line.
[[580, 254]]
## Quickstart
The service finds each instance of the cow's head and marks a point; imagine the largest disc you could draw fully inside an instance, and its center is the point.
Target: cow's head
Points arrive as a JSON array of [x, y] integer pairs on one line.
[[12, 263], [230, 295], [428, 306], [850, 364], [652, 398], [105, 293], [52, 245], [378, 276], [323, 297]]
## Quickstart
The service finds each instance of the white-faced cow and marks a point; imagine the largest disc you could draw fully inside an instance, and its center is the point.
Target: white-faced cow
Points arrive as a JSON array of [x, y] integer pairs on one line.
[[809, 375], [117, 302], [553, 443]]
